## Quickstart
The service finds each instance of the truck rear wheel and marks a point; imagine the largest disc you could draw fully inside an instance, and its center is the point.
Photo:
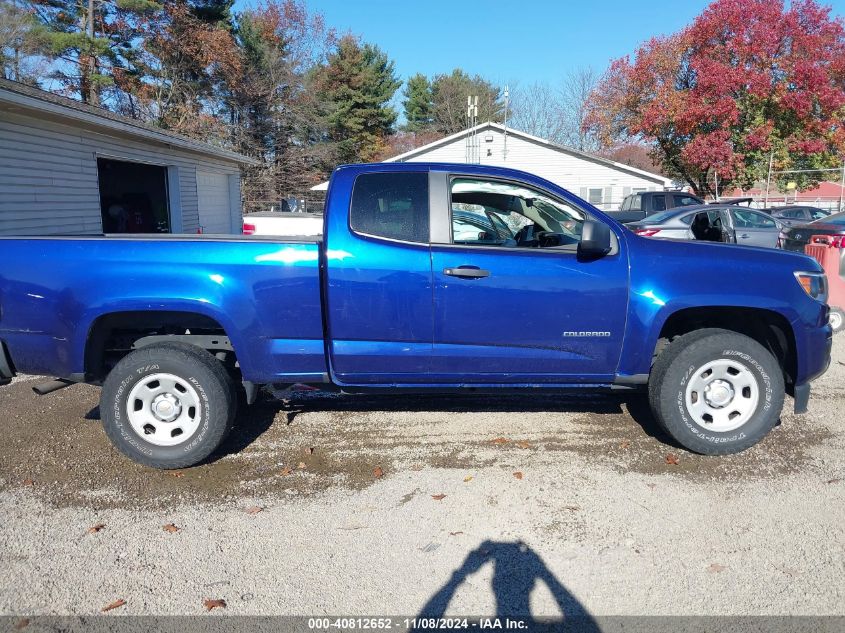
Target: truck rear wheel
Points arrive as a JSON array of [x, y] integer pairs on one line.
[[716, 392], [168, 406]]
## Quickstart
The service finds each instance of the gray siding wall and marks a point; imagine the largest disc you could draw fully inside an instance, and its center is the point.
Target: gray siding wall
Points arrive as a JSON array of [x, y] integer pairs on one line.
[[48, 176]]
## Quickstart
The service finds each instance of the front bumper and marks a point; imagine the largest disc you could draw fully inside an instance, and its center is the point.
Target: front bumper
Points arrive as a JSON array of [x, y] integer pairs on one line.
[[801, 393], [6, 372]]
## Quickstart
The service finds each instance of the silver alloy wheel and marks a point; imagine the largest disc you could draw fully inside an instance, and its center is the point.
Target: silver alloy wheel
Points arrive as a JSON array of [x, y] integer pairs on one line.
[[722, 395], [164, 409], [835, 320]]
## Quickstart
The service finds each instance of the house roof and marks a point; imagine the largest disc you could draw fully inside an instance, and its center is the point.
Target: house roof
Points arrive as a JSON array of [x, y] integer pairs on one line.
[[663, 180], [16, 95], [657, 178]]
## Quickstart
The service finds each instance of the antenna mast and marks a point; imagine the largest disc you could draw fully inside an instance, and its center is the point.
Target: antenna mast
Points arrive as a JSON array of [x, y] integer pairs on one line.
[[507, 102], [472, 151]]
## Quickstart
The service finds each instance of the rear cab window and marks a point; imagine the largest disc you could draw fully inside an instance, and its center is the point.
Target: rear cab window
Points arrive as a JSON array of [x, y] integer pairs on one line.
[[685, 201], [392, 205]]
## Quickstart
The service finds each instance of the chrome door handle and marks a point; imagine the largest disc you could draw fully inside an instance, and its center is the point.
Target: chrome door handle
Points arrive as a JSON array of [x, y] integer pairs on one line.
[[467, 272]]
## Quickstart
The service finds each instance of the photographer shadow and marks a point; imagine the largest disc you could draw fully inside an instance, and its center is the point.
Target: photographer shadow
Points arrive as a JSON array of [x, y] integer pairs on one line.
[[517, 569]]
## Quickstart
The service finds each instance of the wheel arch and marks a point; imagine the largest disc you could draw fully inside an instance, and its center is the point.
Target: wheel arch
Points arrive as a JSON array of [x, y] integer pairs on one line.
[[111, 334], [768, 327]]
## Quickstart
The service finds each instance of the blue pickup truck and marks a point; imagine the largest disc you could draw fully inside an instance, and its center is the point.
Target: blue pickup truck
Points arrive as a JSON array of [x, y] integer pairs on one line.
[[427, 278]]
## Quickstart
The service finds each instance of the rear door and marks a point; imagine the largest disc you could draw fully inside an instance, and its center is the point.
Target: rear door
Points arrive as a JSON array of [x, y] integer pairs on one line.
[[525, 310], [753, 228], [378, 277]]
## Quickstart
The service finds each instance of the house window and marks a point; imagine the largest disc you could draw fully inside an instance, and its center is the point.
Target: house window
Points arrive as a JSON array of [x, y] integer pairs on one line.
[[595, 196]]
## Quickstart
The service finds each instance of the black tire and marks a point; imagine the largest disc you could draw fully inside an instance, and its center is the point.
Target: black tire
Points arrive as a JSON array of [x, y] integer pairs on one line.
[[202, 372], [837, 320], [678, 365]]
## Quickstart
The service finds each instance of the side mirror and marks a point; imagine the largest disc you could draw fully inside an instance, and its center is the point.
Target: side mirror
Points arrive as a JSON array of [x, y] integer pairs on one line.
[[595, 240]]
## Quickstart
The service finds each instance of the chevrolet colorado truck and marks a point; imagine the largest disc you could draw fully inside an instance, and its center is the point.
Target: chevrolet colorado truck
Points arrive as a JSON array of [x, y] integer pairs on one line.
[[427, 278]]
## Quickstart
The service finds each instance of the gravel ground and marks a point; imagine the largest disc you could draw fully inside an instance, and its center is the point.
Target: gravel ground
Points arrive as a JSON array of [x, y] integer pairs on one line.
[[424, 505]]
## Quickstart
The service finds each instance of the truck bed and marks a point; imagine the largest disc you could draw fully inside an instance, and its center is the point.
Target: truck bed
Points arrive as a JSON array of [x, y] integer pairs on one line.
[[264, 292]]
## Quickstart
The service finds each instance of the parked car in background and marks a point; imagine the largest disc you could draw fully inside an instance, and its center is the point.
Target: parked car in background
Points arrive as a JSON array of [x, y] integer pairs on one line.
[[712, 223], [640, 205], [797, 214], [797, 236], [283, 224]]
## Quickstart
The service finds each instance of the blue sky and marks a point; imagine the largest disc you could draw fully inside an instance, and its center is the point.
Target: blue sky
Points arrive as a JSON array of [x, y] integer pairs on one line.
[[508, 41]]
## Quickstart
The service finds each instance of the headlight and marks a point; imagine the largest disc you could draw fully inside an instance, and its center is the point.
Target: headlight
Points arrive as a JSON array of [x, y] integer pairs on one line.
[[814, 284]]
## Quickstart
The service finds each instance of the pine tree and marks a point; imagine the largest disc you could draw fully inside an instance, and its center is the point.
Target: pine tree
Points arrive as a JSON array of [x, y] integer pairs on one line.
[[355, 87], [89, 41], [418, 104]]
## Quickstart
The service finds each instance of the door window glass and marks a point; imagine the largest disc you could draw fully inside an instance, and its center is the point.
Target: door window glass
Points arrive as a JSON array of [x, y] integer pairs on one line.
[[636, 203], [659, 203], [513, 215], [392, 205], [752, 220]]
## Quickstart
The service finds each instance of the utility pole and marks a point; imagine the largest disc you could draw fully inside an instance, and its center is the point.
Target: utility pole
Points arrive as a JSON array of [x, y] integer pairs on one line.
[[769, 179], [842, 188]]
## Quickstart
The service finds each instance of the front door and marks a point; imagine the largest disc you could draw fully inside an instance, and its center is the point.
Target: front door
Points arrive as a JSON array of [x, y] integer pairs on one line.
[[513, 303]]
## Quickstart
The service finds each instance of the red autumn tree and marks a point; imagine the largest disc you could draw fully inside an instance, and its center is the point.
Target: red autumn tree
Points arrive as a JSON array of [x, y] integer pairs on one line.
[[747, 82]]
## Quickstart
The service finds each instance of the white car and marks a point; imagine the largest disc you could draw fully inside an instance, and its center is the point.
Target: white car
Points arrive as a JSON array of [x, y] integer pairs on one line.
[[283, 223]]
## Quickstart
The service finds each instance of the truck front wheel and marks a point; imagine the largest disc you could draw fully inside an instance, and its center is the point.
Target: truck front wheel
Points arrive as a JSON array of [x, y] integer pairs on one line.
[[716, 392], [168, 405]]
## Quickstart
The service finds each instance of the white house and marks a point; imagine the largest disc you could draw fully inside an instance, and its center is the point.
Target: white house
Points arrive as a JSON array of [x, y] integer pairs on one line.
[[602, 182], [71, 168]]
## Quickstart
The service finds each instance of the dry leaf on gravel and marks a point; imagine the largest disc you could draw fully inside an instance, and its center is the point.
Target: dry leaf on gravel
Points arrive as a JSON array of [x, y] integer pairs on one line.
[[518, 475], [572, 508], [625, 444], [500, 440], [28, 482], [175, 473], [308, 450], [438, 497], [468, 478], [416, 467], [672, 459], [715, 568], [170, 527], [253, 509], [378, 472], [96, 528], [114, 605], [523, 444], [301, 466], [22, 624], [455, 533], [835, 480], [287, 470], [210, 604]]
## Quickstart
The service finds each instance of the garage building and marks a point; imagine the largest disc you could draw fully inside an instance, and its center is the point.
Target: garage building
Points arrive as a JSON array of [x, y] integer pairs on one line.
[[598, 180], [71, 168]]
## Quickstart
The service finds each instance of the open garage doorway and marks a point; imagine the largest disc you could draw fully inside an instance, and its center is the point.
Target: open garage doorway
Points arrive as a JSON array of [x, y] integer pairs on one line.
[[133, 197]]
